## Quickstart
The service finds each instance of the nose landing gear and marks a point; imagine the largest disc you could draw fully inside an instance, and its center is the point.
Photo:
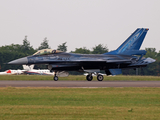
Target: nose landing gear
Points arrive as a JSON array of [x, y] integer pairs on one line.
[[55, 78]]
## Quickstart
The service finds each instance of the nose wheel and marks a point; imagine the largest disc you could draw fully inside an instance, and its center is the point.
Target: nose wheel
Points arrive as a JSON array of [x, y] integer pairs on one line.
[[55, 78]]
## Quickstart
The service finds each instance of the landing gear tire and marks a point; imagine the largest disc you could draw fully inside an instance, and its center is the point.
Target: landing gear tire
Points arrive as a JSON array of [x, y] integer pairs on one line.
[[100, 77], [89, 77], [55, 78]]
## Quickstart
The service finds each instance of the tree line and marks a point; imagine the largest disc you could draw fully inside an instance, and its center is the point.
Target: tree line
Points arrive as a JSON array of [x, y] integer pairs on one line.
[[15, 51]]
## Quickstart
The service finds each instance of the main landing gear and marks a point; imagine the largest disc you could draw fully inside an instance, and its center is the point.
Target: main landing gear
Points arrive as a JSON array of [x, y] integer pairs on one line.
[[89, 77], [100, 77]]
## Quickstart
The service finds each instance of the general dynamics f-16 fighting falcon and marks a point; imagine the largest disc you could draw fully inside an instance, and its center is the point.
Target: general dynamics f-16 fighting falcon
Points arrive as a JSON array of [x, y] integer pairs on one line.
[[127, 55]]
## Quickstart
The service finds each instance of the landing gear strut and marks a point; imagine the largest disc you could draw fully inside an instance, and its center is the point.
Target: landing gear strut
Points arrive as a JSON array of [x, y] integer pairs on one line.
[[55, 77]]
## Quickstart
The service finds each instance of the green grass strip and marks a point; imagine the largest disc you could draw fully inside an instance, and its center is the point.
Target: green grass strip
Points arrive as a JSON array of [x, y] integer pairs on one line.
[[79, 78], [80, 103]]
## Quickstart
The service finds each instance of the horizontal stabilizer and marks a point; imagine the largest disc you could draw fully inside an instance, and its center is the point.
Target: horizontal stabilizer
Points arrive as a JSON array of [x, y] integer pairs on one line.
[[115, 71], [149, 60], [143, 62]]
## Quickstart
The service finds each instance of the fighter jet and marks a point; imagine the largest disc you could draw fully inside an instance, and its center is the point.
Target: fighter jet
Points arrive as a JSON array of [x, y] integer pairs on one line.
[[127, 55]]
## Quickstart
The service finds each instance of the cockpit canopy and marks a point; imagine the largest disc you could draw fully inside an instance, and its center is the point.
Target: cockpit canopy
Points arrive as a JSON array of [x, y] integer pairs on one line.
[[46, 52]]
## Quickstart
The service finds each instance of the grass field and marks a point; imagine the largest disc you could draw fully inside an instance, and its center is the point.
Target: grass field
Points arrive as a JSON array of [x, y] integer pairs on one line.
[[80, 103], [79, 77]]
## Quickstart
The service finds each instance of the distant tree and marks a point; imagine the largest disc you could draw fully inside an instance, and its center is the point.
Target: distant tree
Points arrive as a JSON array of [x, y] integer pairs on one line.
[[26, 48], [8, 53], [26, 42], [14, 51], [83, 50], [44, 44], [99, 49], [158, 56], [62, 47], [151, 52]]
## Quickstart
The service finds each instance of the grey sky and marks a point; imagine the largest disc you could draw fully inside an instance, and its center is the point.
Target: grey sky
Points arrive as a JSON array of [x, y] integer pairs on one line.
[[80, 23]]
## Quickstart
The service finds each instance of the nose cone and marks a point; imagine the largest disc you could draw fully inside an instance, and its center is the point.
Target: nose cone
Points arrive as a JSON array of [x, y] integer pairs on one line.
[[21, 61]]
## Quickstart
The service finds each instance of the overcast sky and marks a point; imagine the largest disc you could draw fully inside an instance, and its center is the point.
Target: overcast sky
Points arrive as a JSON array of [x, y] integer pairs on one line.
[[80, 23]]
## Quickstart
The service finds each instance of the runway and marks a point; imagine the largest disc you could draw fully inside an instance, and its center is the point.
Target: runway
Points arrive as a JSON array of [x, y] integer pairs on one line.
[[80, 84]]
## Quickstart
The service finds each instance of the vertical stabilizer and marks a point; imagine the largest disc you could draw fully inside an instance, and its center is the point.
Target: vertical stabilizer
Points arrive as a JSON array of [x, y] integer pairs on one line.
[[133, 43]]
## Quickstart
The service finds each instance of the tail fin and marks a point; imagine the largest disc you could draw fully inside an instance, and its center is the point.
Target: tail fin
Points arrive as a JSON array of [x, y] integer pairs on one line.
[[133, 43]]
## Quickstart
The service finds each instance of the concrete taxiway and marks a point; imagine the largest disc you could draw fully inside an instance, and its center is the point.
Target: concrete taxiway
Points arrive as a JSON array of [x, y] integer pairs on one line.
[[80, 83]]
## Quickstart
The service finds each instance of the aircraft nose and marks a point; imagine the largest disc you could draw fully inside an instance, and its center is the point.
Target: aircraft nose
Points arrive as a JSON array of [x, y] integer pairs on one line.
[[21, 61]]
